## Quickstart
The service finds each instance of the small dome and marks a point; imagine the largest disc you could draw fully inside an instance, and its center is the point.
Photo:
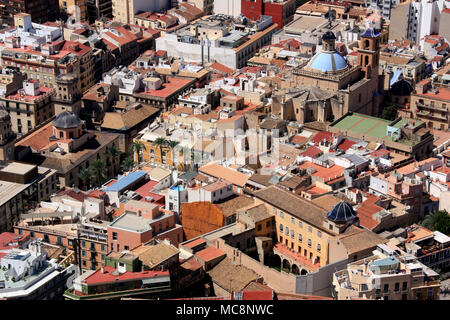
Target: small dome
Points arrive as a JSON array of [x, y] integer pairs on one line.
[[67, 120], [329, 35], [342, 212], [401, 88], [328, 61], [370, 33]]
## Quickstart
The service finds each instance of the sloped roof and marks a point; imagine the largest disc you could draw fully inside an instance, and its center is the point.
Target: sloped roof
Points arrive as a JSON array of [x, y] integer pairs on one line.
[[228, 275], [218, 171]]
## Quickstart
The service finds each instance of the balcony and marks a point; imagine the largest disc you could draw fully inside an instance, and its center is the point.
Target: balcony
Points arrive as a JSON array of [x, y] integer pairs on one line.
[[432, 115], [428, 106], [93, 236]]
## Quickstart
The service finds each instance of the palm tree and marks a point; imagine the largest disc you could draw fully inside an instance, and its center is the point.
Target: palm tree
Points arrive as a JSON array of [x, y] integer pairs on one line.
[[437, 221], [172, 144], [98, 169], [160, 142], [137, 147], [115, 154], [85, 175], [127, 164]]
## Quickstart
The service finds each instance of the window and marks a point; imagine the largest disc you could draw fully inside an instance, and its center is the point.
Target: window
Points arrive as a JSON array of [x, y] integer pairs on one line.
[[310, 229], [259, 227], [318, 247], [386, 287], [118, 247], [59, 241], [397, 286], [103, 257], [114, 235], [292, 220], [83, 253], [281, 214], [281, 227], [103, 247], [404, 286], [300, 224], [127, 248], [92, 246], [309, 242], [292, 234], [84, 263], [83, 243], [112, 246], [319, 234], [286, 230]]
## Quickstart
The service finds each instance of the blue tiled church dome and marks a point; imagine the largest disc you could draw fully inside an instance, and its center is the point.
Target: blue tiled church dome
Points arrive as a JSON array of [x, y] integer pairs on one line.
[[328, 61], [342, 212]]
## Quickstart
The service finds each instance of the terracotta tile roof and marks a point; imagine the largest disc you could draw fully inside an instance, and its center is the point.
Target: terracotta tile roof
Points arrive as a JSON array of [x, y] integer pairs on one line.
[[299, 140], [326, 174], [38, 140], [8, 238], [44, 92], [356, 240], [316, 190], [293, 205], [312, 152], [154, 255], [443, 94], [346, 144], [239, 275], [194, 243], [79, 196], [128, 119], [418, 233], [218, 171], [231, 205], [191, 264], [327, 201], [172, 86], [322, 135], [379, 153], [97, 194], [257, 295], [209, 254], [98, 277], [222, 68]]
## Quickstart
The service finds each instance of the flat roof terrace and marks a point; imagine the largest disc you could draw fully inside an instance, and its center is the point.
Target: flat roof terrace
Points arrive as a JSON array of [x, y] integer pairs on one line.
[[363, 124]]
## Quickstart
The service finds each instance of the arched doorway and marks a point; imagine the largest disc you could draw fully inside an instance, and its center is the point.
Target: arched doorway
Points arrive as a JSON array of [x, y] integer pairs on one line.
[[303, 272], [276, 261], [295, 269], [286, 266]]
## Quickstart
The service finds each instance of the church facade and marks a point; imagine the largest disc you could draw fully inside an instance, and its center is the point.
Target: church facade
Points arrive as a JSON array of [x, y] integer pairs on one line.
[[327, 87]]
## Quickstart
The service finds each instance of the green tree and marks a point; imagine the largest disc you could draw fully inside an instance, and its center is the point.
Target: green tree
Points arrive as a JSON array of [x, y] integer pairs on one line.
[[389, 113], [85, 175], [161, 142], [438, 221], [115, 154], [172, 144], [98, 170], [137, 147], [127, 164]]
